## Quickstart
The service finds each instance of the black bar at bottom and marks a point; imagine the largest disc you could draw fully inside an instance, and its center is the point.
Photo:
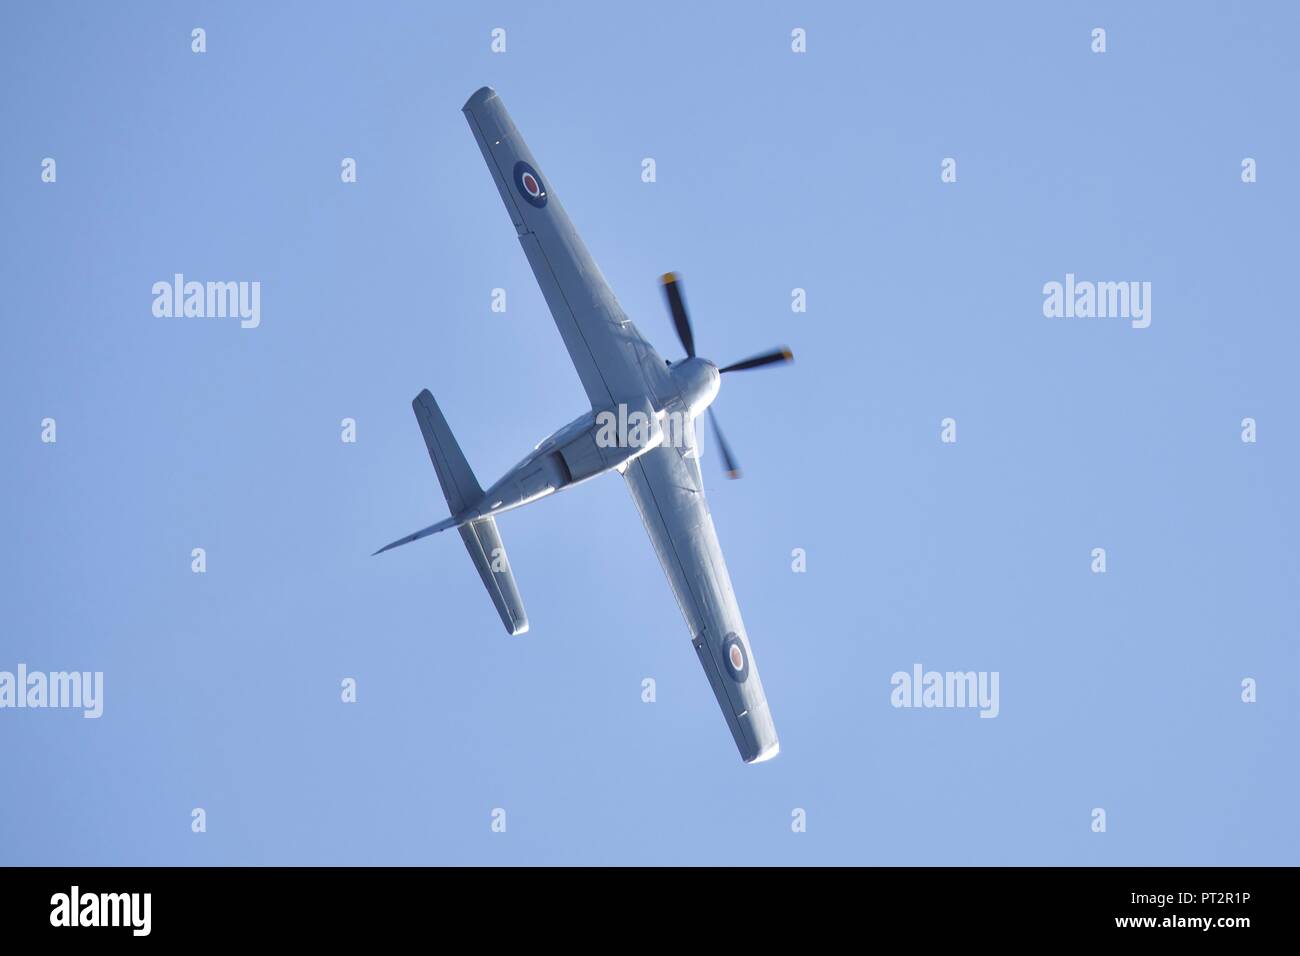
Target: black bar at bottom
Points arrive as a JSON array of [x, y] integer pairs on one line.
[[375, 904]]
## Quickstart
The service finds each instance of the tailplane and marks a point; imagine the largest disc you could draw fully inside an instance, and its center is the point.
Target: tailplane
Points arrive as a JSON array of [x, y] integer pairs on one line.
[[462, 490], [454, 474], [483, 542]]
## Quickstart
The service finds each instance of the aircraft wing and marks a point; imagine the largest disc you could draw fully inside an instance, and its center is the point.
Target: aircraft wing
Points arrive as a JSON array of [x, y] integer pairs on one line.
[[668, 491], [606, 349]]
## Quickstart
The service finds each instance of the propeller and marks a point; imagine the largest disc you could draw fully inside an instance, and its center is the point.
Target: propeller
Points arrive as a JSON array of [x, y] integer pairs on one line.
[[782, 354], [728, 462], [677, 306], [682, 323]]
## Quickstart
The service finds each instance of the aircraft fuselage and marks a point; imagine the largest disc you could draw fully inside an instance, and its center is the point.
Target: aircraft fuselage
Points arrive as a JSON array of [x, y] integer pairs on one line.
[[608, 439]]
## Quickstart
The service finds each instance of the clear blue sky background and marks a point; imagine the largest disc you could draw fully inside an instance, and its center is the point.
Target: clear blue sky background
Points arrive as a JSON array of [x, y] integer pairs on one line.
[[775, 170]]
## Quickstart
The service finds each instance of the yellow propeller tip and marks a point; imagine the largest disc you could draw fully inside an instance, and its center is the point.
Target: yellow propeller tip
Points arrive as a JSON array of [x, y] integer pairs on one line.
[[668, 278]]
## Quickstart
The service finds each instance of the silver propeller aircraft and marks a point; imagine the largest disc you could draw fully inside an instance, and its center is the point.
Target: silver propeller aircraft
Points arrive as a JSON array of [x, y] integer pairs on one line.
[[626, 381]]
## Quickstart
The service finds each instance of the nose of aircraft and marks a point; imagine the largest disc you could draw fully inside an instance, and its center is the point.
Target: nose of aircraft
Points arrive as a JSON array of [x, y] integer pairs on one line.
[[699, 395], [700, 382]]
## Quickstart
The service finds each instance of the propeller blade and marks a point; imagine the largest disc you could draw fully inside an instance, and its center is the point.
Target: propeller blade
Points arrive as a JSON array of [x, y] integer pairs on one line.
[[678, 308], [783, 354], [729, 463]]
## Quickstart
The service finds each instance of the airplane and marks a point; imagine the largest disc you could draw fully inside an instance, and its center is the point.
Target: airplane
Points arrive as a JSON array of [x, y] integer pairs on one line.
[[626, 380]]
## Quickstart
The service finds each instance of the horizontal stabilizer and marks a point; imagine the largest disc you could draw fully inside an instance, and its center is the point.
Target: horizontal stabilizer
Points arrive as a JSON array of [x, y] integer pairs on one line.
[[463, 492], [454, 474], [442, 525], [483, 542]]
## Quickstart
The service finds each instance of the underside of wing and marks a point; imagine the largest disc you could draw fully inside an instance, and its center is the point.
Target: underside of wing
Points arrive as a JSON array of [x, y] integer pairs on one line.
[[666, 487], [608, 352]]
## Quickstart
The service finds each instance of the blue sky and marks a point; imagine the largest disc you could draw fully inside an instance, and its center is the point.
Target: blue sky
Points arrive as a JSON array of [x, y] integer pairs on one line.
[[775, 170]]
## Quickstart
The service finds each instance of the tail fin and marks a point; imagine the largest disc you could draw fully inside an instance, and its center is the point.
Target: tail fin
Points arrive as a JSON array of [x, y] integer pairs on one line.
[[480, 535]]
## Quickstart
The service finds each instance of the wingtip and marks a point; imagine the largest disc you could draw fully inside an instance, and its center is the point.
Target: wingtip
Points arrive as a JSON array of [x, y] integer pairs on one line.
[[767, 753], [478, 98]]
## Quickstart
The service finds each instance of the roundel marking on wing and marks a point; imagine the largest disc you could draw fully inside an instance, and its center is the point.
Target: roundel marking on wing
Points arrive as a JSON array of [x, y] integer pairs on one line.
[[733, 650], [529, 183]]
